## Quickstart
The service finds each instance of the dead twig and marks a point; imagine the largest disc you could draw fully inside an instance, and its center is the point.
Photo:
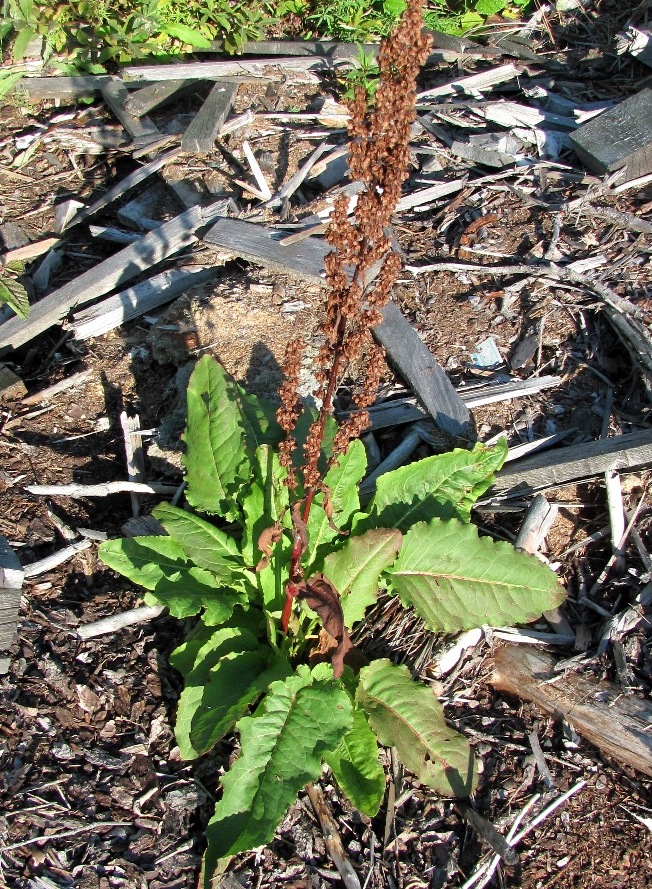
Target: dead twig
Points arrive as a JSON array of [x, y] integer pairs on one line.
[[332, 837]]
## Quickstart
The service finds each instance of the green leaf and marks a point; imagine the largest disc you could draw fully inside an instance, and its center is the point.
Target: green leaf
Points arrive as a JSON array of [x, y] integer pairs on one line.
[[21, 42], [354, 570], [260, 423], [283, 743], [7, 82], [192, 590], [342, 481], [12, 292], [195, 659], [443, 486], [144, 560], [216, 460], [188, 35], [202, 543], [489, 7], [407, 715], [204, 647], [356, 766], [457, 580], [159, 564], [233, 684], [265, 503]]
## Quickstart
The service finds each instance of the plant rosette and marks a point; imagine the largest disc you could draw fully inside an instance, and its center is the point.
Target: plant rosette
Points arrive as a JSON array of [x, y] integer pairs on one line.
[[308, 697]]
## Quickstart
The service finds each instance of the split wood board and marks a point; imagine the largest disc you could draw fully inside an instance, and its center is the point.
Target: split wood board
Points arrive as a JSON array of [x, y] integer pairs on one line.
[[619, 138], [227, 68], [574, 463], [616, 723], [405, 349], [141, 129], [200, 136], [79, 86], [118, 269], [136, 300], [149, 97], [11, 583]]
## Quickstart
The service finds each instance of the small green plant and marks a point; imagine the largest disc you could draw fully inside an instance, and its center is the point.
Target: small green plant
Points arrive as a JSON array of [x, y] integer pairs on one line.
[[87, 35], [12, 292], [279, 561], [365, 74]]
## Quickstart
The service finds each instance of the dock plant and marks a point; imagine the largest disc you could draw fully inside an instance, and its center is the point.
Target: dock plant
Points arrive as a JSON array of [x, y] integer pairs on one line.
[[278, 561]]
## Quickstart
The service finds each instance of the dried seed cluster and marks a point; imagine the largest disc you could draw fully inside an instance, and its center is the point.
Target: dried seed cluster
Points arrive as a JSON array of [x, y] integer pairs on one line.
[[362, 249]]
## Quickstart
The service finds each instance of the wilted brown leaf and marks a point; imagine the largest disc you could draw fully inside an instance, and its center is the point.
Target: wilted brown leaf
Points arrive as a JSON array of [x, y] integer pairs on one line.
[[320, 595]]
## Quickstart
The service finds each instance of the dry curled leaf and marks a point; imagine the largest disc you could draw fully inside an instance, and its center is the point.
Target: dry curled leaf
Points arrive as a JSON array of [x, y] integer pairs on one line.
[[266, 543], [321, 596]]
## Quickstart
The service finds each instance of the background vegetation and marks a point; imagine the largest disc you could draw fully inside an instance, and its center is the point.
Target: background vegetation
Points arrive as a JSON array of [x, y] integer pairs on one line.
[[91, 35]]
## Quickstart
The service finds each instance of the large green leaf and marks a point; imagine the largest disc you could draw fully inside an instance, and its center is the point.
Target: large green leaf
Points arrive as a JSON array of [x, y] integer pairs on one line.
[[444, 486], [204, 646], [192, 590], [160, 565], [203, 543], [265, 504], [283, 743], [356, 766], [354, 570], [144, 560], [233, 684], [216, 459], [456, 579], [342, 481], [407, 715], [195, 659]]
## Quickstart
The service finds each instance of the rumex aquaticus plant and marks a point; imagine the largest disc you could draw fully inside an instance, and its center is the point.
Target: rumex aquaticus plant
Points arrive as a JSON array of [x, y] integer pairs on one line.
[[278, 589]]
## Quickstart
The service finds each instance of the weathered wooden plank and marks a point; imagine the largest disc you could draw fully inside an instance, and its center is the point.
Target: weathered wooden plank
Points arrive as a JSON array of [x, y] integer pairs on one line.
[[565, 465], [141, 129], [620, 137], [146, 98], [80, 86], [617, 723], [447, 48], [125, 185], [11, 385], [227, 68], [118, 269], [200, 136], [136, 300], [419, 367], [11, 584], [403, 345]]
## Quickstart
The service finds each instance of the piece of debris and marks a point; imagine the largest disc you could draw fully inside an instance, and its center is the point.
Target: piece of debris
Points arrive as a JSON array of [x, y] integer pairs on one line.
[[619, 139], [11, 584], [596, 709]]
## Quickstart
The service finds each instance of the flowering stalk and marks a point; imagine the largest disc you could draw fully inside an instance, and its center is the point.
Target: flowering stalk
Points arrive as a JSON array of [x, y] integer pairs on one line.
[[362, 250]]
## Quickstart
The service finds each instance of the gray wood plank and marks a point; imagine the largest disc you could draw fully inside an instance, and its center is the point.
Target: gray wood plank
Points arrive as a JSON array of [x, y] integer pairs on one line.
[[136, 300], [228, 68], [419, 367], [617, 138], [404, 348], [120, 268], [565, 465], [146, 98], [11, 582], [80, 86], [124, 185], [141, 129], [200, 136]]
